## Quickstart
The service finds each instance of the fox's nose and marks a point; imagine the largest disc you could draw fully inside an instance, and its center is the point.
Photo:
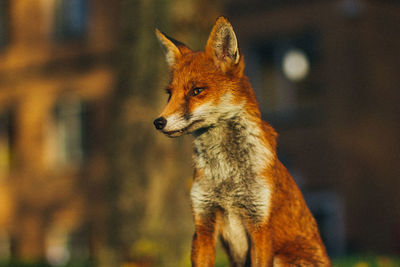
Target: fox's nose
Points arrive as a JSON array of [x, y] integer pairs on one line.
[[160, 123]]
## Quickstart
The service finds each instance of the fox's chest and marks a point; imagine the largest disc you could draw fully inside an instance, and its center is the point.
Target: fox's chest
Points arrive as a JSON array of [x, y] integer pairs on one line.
[[231, 178], [224, 164], [245, 200]]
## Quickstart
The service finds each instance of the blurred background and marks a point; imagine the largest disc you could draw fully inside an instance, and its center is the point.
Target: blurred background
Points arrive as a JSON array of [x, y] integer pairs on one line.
[[85, 180]]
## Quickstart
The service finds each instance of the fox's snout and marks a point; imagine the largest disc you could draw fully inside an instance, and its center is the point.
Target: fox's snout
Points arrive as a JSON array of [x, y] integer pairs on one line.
[[160, 123]]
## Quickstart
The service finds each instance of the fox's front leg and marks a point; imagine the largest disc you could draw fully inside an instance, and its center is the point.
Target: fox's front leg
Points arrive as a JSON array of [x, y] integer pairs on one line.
[[204, 240], [261, 251]]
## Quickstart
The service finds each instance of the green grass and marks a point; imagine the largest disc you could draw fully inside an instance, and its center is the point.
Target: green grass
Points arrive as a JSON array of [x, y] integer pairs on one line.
[[17, 263], [348, 261], [367, 261]]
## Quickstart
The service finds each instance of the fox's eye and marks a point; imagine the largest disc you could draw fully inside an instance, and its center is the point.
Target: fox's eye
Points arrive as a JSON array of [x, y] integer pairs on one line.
[[197, 90]]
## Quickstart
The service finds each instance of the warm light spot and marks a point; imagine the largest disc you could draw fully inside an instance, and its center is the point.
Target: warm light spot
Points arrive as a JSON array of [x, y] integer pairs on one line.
[[57, 252], [295, 65]]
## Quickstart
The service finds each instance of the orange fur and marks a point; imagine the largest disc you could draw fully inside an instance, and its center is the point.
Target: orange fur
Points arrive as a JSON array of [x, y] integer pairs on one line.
[[241, 191]]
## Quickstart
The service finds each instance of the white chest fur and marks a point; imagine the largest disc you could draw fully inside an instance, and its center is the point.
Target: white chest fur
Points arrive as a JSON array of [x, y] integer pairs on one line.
[[231, 159]]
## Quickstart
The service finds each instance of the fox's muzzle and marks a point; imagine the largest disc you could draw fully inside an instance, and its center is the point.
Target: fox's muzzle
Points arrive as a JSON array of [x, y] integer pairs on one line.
[[160, 123]]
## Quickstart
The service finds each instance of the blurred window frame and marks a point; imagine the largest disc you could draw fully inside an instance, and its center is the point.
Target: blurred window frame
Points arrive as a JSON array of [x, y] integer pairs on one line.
[[71, 19], [4, 23], [6, 141], [279, 93], [67, 134]]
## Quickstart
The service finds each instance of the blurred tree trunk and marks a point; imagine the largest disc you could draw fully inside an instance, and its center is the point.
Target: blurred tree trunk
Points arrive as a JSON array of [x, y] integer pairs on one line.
[[150, 217]]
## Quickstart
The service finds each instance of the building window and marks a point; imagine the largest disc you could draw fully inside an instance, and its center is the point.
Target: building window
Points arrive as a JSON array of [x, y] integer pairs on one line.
[[3, 22], [66, 133], [6, 133], [71, 19], [286, 78]]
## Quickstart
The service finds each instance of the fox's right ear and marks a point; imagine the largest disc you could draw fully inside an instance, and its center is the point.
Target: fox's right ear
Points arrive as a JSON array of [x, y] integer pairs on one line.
[[222, 46], [172, 48]]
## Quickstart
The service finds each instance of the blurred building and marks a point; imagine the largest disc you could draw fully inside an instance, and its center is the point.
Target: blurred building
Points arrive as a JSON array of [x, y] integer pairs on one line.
[[56, 76], [327, 77]]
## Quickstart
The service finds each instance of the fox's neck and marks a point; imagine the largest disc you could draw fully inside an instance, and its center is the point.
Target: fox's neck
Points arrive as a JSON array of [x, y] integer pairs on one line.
[[233, 148]]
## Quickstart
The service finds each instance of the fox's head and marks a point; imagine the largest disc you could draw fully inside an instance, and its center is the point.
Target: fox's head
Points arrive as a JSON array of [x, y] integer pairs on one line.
[[207, 86]]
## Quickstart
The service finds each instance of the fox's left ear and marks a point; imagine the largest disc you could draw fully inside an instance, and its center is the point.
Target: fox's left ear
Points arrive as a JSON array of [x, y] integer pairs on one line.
[[172, 48], [222, 45]]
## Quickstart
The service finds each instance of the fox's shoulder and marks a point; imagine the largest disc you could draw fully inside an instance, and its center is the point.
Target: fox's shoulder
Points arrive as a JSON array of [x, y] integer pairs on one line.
[[269, 134]]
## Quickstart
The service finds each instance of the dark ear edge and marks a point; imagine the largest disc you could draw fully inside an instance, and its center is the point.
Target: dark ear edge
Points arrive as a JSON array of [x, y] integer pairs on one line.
[[172, 48], [175, 42]]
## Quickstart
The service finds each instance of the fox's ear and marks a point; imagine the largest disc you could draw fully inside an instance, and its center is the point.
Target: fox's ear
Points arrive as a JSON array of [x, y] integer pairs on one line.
[[172, 48], [222, 45]]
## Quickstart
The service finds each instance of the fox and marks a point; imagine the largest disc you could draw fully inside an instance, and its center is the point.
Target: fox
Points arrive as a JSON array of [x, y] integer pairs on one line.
[[241, 193]]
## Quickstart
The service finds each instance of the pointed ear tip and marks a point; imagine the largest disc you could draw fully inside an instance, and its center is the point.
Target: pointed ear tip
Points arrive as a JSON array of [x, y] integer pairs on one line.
[[157, 32], [160, 36], [222, 19]]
